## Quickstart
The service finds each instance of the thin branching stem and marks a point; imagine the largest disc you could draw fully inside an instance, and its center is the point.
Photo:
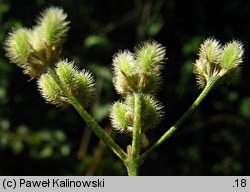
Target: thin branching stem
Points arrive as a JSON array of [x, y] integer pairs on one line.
[[172, 129]]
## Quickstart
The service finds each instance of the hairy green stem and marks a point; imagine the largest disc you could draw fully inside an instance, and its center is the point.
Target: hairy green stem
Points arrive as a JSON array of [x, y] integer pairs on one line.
[[135, 152], [132, 163], [88, 119], [172, 129]]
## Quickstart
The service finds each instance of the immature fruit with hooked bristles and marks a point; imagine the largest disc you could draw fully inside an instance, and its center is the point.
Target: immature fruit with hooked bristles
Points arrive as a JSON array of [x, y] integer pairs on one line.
[[79, 83], [122, 114], [37, 48], [217, 62], [139, 71]]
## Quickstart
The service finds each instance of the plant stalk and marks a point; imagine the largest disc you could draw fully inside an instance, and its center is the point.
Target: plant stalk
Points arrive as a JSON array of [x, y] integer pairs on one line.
[[133, 165], [135, 152], [132, 162], [183, 118]]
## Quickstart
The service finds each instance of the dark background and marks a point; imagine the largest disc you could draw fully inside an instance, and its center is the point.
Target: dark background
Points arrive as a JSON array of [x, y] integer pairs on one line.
[[40, 139]]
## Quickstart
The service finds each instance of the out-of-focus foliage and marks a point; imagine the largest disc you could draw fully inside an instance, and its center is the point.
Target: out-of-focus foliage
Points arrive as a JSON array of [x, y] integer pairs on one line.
[[41, 144], [39, 139]]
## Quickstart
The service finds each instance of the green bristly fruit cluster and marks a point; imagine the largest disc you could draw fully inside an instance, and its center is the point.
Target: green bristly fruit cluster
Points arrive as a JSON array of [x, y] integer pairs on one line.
[[217, 62], [80, 84], [33, 49], [138, 73], [38, 49]]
